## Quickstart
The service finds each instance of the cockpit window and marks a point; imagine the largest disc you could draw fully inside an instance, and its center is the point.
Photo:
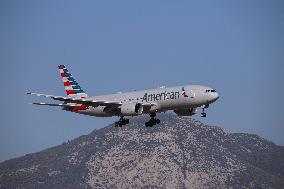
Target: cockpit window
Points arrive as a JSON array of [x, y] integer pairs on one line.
[[213, 91]]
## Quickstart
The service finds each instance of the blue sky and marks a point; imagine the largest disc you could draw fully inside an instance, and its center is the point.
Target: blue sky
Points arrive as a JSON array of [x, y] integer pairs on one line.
[[236, 47]]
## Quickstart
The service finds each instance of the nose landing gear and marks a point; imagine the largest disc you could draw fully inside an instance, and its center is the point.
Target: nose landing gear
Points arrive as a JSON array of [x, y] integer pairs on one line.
[[203, 114], [152, 121], [122, 121]]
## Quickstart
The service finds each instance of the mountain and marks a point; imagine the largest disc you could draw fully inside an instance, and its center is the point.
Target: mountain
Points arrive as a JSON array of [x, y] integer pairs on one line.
[[179, 153]]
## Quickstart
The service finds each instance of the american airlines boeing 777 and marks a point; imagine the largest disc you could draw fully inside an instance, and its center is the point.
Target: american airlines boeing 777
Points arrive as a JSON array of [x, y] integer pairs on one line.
[[183, 100]]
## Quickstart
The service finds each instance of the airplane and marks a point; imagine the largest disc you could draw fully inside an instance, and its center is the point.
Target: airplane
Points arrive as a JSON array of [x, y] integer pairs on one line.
[[183, 100]]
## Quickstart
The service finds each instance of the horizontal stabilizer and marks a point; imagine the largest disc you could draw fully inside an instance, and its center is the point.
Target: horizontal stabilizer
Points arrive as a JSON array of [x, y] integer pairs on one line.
[[47, 104], [62, 98]]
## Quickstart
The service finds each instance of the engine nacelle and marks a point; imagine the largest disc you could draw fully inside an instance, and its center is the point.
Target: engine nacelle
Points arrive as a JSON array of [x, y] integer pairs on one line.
[[131, 109], [185, 112]]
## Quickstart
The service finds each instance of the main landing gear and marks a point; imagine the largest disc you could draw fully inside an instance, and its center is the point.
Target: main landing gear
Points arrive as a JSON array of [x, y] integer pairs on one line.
[[122, 121], [152, 121]]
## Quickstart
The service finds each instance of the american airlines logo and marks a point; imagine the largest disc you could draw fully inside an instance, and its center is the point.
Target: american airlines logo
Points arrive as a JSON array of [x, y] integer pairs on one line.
[[183, 92], [160, 96]]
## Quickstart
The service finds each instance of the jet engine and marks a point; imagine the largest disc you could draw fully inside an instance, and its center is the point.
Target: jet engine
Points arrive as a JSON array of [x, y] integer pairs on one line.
[[131, 109], [185, 112]]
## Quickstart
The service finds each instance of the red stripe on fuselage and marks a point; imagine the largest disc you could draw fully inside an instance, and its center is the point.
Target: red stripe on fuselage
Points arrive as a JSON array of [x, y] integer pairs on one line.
[[79, 107]]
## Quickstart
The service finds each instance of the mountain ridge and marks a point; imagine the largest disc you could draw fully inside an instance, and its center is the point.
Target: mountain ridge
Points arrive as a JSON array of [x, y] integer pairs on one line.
[[179, 153]]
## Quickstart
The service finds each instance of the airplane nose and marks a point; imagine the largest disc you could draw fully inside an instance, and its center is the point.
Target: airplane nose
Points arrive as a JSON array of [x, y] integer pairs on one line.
[[214, 97]]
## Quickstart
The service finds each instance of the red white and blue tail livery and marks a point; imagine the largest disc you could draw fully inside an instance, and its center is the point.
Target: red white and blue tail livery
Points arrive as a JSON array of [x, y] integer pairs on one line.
[[183, 100], [71, 86]]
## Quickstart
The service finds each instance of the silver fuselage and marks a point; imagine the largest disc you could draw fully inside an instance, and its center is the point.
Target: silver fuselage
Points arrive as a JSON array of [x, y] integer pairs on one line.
[[163, 99]]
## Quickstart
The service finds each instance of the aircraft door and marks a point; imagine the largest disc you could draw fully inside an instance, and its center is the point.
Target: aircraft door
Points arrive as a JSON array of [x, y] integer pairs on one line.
[[191, 93]]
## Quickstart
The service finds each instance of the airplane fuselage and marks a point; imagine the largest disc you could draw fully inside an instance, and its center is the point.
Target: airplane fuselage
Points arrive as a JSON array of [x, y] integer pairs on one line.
[[164, 99]]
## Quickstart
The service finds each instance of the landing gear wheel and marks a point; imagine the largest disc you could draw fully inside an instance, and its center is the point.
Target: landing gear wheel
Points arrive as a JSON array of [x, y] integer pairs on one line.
[[127, 121], [203, 114], [118, 124], [147, 124], [153, 121], [121, 122], [158, 121]]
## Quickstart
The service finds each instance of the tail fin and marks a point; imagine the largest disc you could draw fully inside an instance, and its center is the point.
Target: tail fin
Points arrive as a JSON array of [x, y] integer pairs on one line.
[[71, 86]]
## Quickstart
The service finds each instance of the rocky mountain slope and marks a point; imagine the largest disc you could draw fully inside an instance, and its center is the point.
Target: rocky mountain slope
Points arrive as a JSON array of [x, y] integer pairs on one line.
[[179, 153]]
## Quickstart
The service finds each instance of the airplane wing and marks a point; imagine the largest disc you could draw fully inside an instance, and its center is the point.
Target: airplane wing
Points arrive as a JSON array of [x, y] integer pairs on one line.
[[86, 101], [111, 105]]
